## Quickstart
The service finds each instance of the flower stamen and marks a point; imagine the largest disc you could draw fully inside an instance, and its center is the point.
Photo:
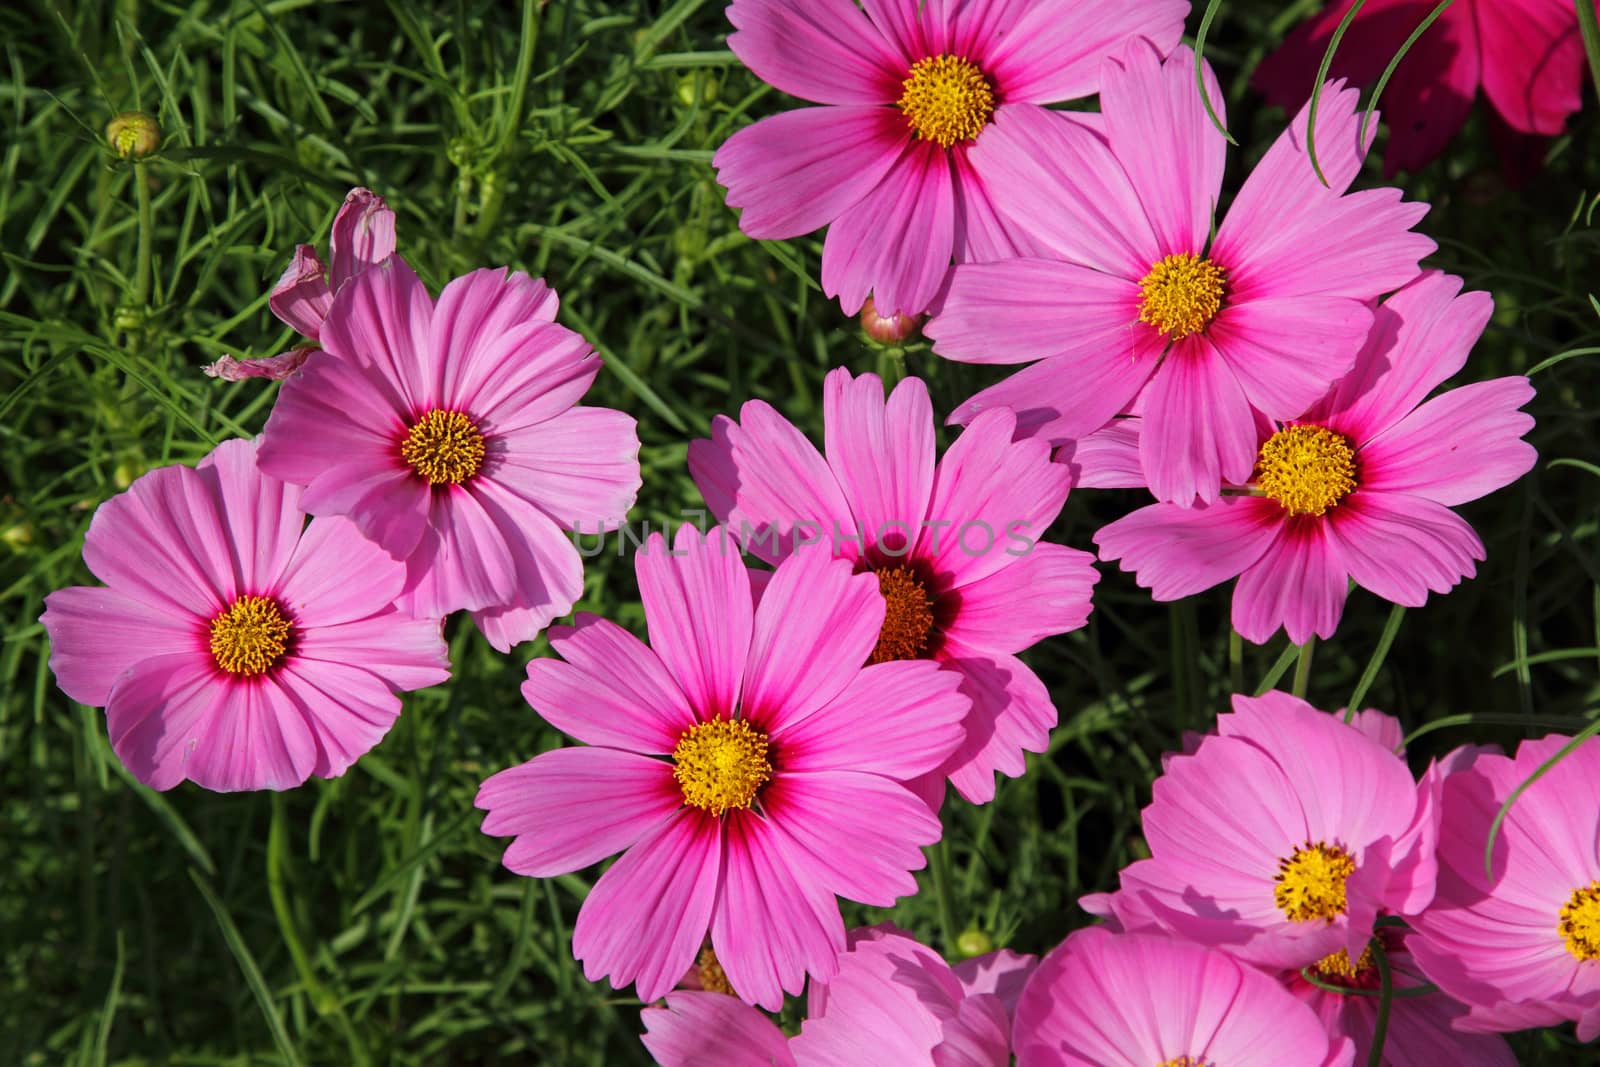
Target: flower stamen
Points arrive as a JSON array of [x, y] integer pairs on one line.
[[1181, 295], [907, 616], [721, 764], [1307, 469], [250, 637], [1311, 882], [445, 447], [1580, 922], [947, 99]]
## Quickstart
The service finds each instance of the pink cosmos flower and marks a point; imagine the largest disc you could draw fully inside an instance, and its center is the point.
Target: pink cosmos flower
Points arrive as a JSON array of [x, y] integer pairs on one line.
[[1521, 948], [1143, 1000], [232, 644], [1132, 294], [953, 544], [1420, 1031], [909, 90], [746, 764], [1280, 839], [363, 236], [891, 995], [1358, 485], [450, 434], [1526, 56]]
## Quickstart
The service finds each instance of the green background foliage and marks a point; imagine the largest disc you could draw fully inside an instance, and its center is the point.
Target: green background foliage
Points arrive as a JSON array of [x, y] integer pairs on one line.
[[366, 920]]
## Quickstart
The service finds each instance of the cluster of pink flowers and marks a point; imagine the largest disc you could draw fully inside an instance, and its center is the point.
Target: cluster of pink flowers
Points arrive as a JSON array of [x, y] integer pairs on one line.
[[784, 738]]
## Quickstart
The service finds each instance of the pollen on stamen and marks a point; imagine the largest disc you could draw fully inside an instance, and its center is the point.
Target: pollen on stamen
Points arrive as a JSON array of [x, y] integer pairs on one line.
[[1310, 883], [1337, 968], [1186, 1061], [947, 99], [721, 765], [1580, 922], [1181, 294], [445, 447], [1307, 469], [907, 616], [713, 979], [250, 637]]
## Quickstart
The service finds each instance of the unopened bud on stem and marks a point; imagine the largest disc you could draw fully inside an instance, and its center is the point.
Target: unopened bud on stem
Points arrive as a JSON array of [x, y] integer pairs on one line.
[[133, 134]]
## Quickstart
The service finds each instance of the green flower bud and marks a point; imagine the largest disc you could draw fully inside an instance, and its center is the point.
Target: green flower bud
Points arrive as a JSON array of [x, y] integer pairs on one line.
[[133, 134]]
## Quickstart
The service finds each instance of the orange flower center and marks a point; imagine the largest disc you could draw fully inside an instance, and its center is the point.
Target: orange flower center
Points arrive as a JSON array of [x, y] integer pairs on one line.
[[947, 99], [1181, 295], [1306, 469], [907, 616], [251, 636], [444, 447]]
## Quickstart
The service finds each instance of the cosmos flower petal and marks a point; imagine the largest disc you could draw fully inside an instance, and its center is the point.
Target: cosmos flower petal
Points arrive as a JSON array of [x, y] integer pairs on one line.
[[1012, 714], [882, 454], [96, 634], [363, 236], [300, 298], [1401, 546], [1457, 447], [864, 859], [896, 242], [1298, 583], [695, 1028], [1532, 63], [1173, 153], [1285, 350], [380, 320], [770, 485], [892, 995], [532, 372], [1177, 552], [774, 921], [1107, 458], [697, 605], [1054, 52], [474, 315], [898, 719], [341, 709], [825, 51], [794, 172], [816, 625], [406, 652], [991, 496], [1045, 591], [572, 807], [645, 918], [467, 558], [273, 368], [1187, 458], [1045, 400], [257, 738], [316, 577], [549, 570], [984, 232]]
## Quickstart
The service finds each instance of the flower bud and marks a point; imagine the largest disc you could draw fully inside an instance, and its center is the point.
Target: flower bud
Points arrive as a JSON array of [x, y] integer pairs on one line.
[[133, 134], [973, 942], [889, 330]]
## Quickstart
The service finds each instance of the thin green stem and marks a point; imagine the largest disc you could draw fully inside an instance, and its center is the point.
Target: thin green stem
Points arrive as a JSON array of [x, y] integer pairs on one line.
[[1302, 667], [147, 225], [1235, 661], [1591, 39], [939, 867], [1380, 1029]]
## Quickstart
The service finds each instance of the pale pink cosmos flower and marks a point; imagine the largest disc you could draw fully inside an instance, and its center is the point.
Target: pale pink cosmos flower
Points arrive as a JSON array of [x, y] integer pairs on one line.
[[1525, 55], [1143, 1000], [910, 90], [746, 764], [1421, 1029], [450, 433], [1520, 946], [1134, 298], [233, 645], [1358, 485], [1280, 840], [893, 1001], [954, 544], [363, 236]]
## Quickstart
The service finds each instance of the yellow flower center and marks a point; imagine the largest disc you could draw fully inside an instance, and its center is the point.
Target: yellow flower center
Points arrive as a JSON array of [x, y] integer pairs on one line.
[[444, 447], [713, 979], [1306, 469], [1580, 922], [907, 616], [1185, 1061], [1338, 966], [720, 764], [251, 637], [1311, 882], [947, 99], [1181, 294]]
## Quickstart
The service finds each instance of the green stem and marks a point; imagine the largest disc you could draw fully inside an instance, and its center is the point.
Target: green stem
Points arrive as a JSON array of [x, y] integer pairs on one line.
[[147, 225], [1235, 661], [939, 866], [1591, 39], [1302, 667], [1380, 1029]]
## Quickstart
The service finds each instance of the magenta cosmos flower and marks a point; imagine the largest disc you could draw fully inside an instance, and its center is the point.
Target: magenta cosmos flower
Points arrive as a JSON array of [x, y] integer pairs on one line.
[[363, 235], [1133, 293], [1143, 1000], [232, 644], [1420, 1031], [746, 764], [1526, 56], [1520, 947], [451, 435], [909, 90], [892, 1000], [1280, 840], [1357, 486], [953, 544]]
